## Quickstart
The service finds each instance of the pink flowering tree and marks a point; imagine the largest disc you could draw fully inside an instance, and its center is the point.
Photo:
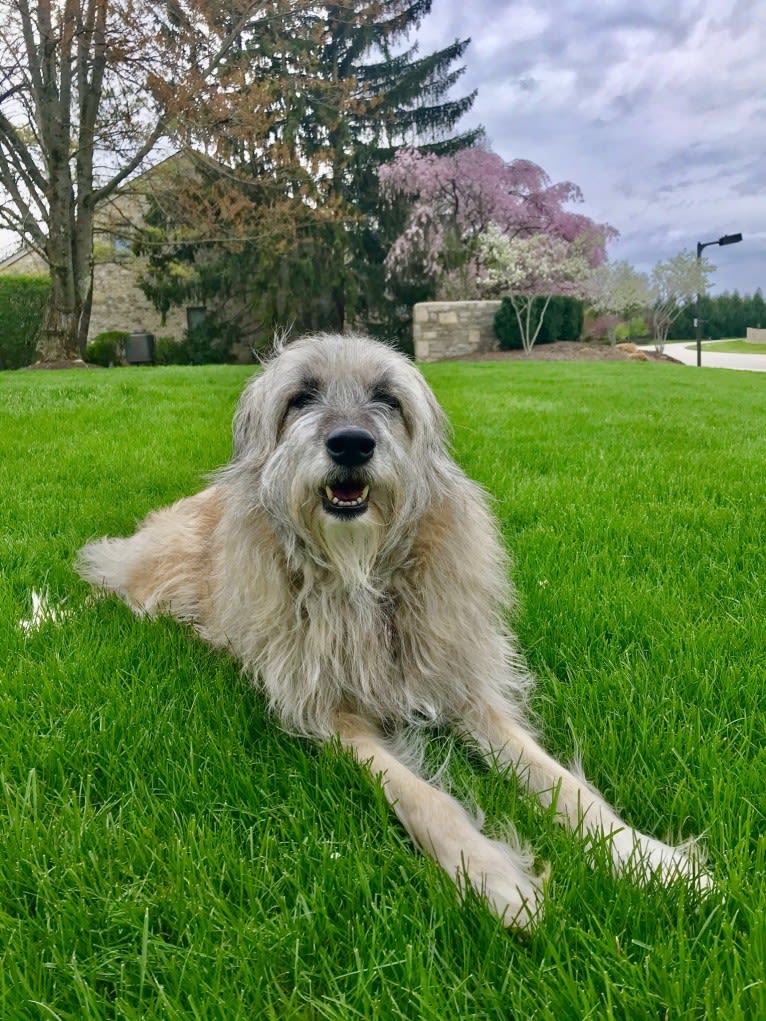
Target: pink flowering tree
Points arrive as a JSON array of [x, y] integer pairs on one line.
[[454, 199], [525, 268]]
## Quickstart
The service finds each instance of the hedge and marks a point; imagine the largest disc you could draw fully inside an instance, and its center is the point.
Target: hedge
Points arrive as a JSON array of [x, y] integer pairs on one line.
[[22, 307], [563, 321]]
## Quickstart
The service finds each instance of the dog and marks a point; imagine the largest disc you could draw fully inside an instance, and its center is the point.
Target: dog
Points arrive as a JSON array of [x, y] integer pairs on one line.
[[358, 576]]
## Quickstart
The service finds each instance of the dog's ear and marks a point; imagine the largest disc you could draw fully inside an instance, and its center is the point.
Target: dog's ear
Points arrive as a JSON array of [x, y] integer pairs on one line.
[[430, 426], [251, 434], [243, 427], [255, 426]]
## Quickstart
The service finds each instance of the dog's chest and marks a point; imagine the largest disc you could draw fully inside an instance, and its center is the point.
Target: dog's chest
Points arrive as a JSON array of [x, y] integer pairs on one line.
[[357, 629], [356, 637]]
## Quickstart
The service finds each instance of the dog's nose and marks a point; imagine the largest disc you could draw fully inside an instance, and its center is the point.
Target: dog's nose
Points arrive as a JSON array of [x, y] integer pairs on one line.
[[350, 446]]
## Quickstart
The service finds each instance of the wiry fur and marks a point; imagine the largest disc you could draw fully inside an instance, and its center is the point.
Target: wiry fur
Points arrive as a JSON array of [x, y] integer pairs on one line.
[[358, 628]]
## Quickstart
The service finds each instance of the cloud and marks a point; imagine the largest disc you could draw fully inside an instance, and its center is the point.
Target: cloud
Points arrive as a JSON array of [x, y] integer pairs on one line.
[[658, 113]]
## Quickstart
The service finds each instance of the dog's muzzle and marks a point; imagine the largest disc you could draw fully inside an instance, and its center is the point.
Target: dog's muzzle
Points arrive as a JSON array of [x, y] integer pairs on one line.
[[350, 448]]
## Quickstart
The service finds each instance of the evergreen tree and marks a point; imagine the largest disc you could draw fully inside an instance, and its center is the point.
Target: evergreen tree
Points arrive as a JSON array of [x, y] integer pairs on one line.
[[757, 311], [402, 102], [737, 326]]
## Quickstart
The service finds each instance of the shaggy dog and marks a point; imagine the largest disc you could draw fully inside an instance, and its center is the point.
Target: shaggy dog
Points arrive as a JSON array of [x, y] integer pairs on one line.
[[357, 575]]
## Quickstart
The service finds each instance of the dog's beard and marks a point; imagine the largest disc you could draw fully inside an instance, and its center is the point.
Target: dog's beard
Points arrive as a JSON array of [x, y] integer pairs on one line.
[[356, 524], [346, 543], [351, 547]]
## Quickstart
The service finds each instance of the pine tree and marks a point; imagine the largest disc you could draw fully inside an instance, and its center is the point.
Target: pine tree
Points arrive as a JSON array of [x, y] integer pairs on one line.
[[402, 102], [757, 311]]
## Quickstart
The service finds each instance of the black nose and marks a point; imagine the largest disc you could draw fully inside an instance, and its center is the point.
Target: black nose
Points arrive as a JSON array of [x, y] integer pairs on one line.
[[350, 447]]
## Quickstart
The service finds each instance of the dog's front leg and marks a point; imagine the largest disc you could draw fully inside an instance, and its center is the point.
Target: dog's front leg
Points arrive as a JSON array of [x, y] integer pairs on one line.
[[506, 742], [442, 828]]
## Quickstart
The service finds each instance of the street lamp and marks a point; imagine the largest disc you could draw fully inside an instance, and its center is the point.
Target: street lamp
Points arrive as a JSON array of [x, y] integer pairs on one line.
[[727, 239]]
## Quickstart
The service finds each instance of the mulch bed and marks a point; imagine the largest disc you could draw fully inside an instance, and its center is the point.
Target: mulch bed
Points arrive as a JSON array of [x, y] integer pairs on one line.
[[63, 363], [566, 351]]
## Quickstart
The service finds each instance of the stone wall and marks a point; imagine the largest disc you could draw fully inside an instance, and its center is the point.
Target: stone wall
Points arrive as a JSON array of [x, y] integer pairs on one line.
[[755, 336], [446, 329]]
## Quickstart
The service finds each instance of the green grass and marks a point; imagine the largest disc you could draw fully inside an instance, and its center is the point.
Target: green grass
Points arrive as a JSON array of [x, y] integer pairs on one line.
[[168, 854], [733, 347]]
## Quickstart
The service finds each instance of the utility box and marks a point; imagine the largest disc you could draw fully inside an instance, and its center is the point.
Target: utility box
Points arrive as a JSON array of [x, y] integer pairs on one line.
[[139, 349]]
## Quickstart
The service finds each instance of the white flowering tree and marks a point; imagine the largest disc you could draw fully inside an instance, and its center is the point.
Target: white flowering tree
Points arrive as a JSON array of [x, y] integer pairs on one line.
[[616, 289], [674, 283], [525, 268]]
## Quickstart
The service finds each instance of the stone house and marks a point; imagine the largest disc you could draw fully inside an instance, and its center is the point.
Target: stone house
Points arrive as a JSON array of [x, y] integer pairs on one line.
[[118, 301]]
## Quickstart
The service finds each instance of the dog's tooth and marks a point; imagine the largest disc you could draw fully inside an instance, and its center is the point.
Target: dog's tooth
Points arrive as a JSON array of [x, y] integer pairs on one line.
[[358, 501]]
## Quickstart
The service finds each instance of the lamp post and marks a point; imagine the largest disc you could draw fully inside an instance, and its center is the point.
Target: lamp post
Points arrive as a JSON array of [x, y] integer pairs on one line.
[[727, 239]]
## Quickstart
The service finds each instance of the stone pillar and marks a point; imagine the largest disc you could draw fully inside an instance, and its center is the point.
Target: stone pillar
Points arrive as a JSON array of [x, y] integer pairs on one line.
[[447, 329]]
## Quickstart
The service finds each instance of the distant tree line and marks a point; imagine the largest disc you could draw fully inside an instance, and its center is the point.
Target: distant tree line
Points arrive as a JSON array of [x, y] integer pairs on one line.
[[724, 315]]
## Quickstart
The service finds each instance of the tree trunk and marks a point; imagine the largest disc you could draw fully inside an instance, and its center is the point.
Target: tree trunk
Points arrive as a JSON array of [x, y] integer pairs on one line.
[[67, 314], [540, 319], [69, 250], [339, 301], [59, 341], [84, 325], [64, 335]]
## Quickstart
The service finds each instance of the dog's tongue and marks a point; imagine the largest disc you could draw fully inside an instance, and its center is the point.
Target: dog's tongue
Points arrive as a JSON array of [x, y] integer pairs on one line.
[[347, 492]]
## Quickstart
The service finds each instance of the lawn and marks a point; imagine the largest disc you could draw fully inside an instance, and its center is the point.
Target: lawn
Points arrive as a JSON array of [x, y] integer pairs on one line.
[[168, 854], [733, 347]]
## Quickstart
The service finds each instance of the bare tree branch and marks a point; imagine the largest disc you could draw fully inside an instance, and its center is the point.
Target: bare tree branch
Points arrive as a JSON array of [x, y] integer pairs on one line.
[[10, 136]]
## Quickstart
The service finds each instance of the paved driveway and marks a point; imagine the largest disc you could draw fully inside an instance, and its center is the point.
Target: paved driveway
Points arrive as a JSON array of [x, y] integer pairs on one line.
[[714, 359]]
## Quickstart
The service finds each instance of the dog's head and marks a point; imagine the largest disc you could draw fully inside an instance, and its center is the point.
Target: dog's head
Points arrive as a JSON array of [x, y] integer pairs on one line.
[[340, 437]]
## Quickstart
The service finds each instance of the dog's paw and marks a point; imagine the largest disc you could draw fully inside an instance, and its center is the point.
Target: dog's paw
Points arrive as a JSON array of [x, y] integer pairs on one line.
[[516, 900], [503, 878], [643, 858]]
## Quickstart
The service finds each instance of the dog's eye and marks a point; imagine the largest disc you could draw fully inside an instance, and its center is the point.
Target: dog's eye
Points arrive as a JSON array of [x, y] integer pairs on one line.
[[302, 398], [387, 398]]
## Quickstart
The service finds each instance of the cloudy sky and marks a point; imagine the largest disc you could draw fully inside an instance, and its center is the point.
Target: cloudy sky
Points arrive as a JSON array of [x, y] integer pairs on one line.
[[657, 110]]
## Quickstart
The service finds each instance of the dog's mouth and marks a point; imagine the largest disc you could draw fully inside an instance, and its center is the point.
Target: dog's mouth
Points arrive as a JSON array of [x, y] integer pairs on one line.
[[346, 499]]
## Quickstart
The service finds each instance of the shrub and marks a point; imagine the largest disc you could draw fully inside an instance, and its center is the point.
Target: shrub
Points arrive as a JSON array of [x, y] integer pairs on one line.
[[635, 329], [507, 327], [209, 342], [169, 351], [563, 321], [107, 348], [572, 316], [22, 307]]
